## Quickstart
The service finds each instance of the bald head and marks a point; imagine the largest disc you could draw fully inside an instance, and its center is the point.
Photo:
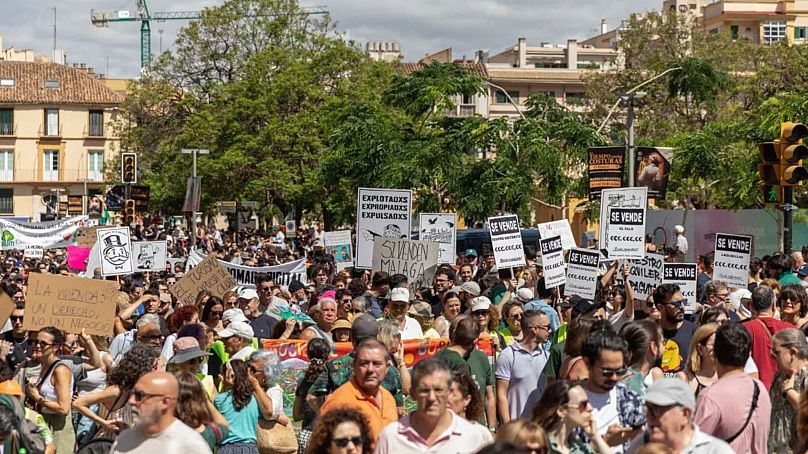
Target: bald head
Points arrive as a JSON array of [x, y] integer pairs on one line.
[[159, 382], [153, 401]]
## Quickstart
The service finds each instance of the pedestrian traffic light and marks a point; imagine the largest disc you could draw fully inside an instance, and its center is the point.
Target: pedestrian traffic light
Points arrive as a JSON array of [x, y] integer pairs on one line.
[[129, 212], [792, 152], [129, 167], [772, 194]]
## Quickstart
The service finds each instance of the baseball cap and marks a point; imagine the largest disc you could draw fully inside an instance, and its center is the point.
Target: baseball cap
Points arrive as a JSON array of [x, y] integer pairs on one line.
[[480, 303], [363, 327], [420, 309], [247, 294], [524, 295], [11, 388], [234, 315], [470, 252], [294, 286], [583, 307], [342, 323], [400, 294], [736, 297], [670, 391], [470, 287], [240, 329], [187, 349]]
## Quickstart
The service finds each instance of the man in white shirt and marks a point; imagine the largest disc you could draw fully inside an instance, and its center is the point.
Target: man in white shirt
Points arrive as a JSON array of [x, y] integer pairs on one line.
[[397, 308], [681, 240]]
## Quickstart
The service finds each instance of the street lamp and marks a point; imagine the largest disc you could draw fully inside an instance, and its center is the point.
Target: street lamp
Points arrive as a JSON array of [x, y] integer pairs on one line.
[[192, 221], [630, 100]]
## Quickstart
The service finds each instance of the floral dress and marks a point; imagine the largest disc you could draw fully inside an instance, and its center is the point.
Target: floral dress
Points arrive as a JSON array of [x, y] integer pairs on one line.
[[783, 430]]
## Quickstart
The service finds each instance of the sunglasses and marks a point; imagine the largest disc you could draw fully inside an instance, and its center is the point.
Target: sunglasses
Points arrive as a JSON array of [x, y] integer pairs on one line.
[[517, 317], [39, 343], [480, 313], [343, 442], [217, 314], [15, 318], [677, 304], [140, 396], [609, 372], [581, 406], [347, 300]]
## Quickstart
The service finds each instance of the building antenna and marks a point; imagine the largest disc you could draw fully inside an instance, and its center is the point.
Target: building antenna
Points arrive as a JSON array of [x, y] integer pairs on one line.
[[54, 30]]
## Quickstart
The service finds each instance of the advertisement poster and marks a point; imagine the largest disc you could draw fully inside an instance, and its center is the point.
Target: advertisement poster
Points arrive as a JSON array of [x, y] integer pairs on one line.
[[380, 213], [653, 168], [605, 169]]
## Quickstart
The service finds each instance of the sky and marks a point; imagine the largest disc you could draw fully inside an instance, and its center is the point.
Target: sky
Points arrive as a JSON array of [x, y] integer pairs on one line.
[[419, 26]]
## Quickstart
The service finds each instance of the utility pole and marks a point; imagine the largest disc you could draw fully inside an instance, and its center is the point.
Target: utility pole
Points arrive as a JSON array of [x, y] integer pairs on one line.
[[192, 224], [788, 233], [629, 99]]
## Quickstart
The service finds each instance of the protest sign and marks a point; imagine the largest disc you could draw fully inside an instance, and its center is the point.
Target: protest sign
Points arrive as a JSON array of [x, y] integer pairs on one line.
[[415, 259], [380, 213], [291, 228], [731, 263], [70, 304], [86, 237], [149, 255], [115, 248], [338, 244], [683, 275], [6, 307], [561, 228], [622, 221], [282, 274], [442, 229], [582, 273], [209, 274], [34, 252], [644, 274], [552, 254], [53, 234], [506, 239]]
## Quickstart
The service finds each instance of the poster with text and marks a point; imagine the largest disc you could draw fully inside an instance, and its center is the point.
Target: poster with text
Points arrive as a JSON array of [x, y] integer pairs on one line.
[[605, 169], [382, 213], [582, 273], [552, 253], [731, 263], [442, 229], [415, 259], [209, 274], [70, 303], [149, 255], [506, 239], [622, 220], [338, 244], [115, 248], [683, 275], [561, 228]]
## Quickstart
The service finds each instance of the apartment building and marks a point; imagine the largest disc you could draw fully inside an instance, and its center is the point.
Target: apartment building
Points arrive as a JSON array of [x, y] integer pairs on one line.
[[760, 22], [56, 137]]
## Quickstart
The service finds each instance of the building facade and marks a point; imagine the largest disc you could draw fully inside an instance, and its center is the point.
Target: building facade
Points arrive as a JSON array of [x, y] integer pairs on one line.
[[56, 137], [760, 22]]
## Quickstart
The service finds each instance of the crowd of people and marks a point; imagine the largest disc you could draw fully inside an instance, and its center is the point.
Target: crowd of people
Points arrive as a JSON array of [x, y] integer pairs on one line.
[[524, 369]]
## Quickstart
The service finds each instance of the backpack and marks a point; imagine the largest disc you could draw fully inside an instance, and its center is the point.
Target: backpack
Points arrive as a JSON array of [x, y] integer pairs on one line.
[[27, 434]]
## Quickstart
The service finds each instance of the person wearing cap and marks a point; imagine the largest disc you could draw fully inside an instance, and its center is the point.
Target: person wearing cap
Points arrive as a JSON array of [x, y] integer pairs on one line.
[[397, 309], [670, 406], [237, 339], [681, 240], [443, 282], [466, 292], [421, 311], [483, 311], [341, 330], [189, 356], [298, 293], [325, 320], [261, 323], [470, 257]]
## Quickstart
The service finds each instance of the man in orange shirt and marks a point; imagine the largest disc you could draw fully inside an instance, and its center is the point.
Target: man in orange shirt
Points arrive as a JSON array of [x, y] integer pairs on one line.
[[364, 392]]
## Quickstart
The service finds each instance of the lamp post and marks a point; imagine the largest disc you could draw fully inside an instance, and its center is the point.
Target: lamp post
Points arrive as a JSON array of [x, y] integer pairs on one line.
[[192, 223], [630, 100]]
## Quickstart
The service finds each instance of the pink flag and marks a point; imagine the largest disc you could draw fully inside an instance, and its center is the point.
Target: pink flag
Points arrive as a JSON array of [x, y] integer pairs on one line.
[[77, 257]]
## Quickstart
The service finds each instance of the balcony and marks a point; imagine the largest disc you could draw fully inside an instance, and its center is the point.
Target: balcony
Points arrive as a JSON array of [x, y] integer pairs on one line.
[[46, 133], [8, 130], [461, 111], [93, 133]]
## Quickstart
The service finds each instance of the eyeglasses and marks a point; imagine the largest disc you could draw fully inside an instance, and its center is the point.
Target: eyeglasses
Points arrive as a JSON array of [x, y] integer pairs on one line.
[[609, 372], [39, 343], [347, 300], [424, 392], [343, 442], [217, 314], [581, 406], [677, 304], [480, 313], [721, 296], [656, 411], [516, 316], [15, 318], [140, 396]]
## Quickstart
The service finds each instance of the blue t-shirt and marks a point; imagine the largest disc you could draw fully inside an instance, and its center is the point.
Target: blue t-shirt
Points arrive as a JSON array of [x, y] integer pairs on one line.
[[243, 423]]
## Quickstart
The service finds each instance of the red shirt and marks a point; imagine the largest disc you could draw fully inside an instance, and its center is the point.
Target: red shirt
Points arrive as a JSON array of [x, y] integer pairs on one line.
[[762, 329]]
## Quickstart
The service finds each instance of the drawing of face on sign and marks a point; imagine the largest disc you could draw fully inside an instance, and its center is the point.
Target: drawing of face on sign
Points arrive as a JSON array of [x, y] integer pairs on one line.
[[115, 251], [392, 231]]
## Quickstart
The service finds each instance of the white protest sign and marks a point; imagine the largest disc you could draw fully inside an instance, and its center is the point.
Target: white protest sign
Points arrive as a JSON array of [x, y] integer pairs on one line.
[[380, 213], [115, 250], [622, 222], [149, 255], [644, 274], [732, 254], [338, 244], [415, 259], [506, 239], [552, 254], [34, 252], [442, 229], [683, 275], [561, 228], [582, 273], [47, 235]]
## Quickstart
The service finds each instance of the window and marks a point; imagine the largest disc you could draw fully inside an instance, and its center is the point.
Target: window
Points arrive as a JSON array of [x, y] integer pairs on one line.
[[50, 171], [7, 201], [51, 122], [774, 31], [551, 64], [6, 165], [95, 165], [6, 82], [96, 123], [501, 98], [733, 29], [799, 32], [51, 84], [6, 122]]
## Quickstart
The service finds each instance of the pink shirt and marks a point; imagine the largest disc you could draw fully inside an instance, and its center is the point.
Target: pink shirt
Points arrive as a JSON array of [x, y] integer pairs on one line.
[[460, 437], [723, 407]]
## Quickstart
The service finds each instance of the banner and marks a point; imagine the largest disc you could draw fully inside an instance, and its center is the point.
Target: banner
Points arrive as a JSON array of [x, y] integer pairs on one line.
[[338, 244], [149, 256], [731, 263], [209, 274], [282, 274], [553, 261], [561, 228], [652, 170], [415, 259], [70, 304], [622, 222], [442, 229], [380, 213], [506, 239], [683, 275], [582, 273], [605, 169], [47, 235]]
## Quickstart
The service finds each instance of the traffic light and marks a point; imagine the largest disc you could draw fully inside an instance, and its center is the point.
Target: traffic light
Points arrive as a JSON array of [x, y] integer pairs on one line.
[[792, 152], [769, 168], [772, 194], [129, 167], [128, 212]]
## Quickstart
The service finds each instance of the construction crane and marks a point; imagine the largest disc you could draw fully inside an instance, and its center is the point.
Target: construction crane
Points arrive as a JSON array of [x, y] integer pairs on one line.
[[142, 15]]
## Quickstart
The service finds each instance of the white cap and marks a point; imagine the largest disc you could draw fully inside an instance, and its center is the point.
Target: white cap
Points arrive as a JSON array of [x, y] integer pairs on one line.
[[240, 329], [247, 294], [736, 297], [678, 229], [480, 303], [400, 294], [524, 295], [234, 315]]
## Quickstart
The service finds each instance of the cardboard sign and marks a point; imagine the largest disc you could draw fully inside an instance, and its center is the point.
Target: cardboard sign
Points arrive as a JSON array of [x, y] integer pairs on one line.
[[415, 259], [34, 252], [86, 237], [442, 229], [622, 220], [561, 228], [282, 274], [380, 213], [70, 304], [683, 275], [209, 275], [506, 239], [552, 254], [149, 256], [6, 307], [582, 273], [732, 254], [115, 248], [338, 244]]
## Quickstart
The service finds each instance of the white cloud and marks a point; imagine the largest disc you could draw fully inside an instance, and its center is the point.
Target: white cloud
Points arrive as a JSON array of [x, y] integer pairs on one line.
[[420, 26]]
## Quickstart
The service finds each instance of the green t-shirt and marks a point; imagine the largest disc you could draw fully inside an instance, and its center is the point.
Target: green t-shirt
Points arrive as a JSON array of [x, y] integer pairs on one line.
[[554, 361], [476, 364]]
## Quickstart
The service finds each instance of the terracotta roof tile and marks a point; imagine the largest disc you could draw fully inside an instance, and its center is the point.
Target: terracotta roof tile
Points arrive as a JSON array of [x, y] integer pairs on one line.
[[537, 74], [76, 86], [478, 69]]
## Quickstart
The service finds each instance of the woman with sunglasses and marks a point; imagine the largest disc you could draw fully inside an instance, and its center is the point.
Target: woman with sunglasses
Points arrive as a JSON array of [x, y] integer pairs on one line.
[[230, 300], [487, 315], [212, 313], [794, 305], [512, 332], [242, 403], [342, 431], [564, 406]]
